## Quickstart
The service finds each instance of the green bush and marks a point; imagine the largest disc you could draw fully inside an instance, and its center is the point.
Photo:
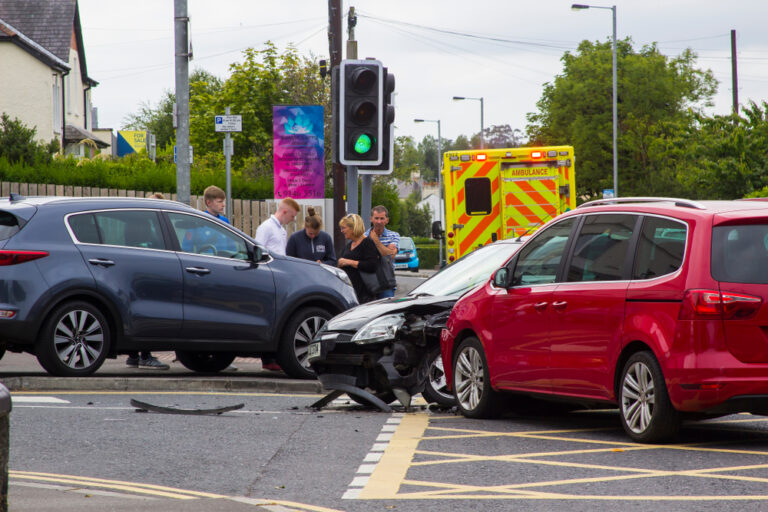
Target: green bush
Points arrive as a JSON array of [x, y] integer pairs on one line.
[[133, 172], [428, 256]]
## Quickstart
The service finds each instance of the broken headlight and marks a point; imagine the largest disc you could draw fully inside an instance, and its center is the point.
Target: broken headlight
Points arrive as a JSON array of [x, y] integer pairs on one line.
[[379, 329]]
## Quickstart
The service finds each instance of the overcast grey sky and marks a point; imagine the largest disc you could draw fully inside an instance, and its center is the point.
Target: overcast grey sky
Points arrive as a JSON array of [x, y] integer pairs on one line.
[[129, 48]]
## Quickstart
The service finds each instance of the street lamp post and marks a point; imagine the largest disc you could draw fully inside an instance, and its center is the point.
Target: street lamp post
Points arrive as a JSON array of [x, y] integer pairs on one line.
[[440, 208], [578, 7], [482, 128]]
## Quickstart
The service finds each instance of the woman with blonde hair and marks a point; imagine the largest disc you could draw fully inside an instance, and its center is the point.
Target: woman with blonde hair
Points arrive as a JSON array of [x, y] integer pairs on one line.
[[359, 255], [310, 243]]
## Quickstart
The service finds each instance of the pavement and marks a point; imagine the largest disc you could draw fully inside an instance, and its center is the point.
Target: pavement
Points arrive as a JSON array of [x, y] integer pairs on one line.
[[22, 372]]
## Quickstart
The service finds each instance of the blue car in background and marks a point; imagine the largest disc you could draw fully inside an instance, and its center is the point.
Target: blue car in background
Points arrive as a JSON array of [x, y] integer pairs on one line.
[[407, 258]]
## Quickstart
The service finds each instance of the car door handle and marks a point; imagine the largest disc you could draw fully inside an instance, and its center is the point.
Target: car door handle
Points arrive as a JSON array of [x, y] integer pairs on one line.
[[560, 304], [540, 306], [198, 270], [101, 261]]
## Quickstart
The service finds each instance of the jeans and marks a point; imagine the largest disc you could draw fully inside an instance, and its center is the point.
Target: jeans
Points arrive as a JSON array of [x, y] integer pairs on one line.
[[384, 294]]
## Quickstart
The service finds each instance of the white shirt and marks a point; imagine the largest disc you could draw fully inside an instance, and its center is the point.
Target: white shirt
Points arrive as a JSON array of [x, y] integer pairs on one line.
[[272, 236]]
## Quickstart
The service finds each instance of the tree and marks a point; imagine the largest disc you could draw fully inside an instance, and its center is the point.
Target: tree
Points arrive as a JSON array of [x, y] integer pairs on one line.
[[158, 120], [407, 157], [415, 220], [17, 143], [502, 136], [655, 94], [725, 157]]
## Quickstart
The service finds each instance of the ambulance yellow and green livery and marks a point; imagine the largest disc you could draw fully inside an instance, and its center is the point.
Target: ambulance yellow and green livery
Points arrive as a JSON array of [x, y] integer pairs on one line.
[[492, 194]]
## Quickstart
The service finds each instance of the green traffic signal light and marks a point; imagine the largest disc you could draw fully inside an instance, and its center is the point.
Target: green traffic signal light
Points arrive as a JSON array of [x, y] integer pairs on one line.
[[363, 144]]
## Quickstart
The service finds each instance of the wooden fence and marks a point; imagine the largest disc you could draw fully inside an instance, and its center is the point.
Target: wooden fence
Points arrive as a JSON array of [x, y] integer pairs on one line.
[[246, 214]]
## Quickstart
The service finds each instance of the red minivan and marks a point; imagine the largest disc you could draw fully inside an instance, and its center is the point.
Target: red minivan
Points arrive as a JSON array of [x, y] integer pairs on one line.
[[654, 305]]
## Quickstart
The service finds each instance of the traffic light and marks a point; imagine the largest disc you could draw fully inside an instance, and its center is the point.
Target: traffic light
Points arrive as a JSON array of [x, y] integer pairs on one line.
[[361, 103], [388, 131]]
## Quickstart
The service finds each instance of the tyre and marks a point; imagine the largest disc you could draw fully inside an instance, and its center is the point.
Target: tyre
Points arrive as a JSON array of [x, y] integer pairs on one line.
[[647, 414], [435, 387], [415, 269], [295, 340], [204, 362], [74, 341], [471, 383]]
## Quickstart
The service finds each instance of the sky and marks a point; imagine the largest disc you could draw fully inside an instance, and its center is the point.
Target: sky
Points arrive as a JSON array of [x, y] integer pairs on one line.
[[500, 50]]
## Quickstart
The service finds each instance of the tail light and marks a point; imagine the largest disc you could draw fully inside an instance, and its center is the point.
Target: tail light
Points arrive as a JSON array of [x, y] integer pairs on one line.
[[16, 257], [710, 304]]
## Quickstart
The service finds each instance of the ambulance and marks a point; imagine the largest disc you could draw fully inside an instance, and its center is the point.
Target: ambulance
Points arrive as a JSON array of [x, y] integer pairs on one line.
[[493, 194]]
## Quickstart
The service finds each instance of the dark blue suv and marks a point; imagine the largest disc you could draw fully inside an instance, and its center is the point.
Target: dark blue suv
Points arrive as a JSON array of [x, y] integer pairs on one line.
[[82, 279]]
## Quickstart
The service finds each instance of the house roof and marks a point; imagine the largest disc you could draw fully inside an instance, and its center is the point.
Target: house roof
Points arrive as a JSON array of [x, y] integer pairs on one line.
[[76, 134], [49, 23], [12, 33]]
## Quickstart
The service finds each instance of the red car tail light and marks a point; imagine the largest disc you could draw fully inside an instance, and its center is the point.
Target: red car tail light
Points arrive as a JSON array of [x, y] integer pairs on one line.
[[16, 257], [708, 304]]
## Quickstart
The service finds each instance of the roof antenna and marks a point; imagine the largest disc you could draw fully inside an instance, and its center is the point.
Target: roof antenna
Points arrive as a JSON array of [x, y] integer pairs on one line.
[[16, 197]]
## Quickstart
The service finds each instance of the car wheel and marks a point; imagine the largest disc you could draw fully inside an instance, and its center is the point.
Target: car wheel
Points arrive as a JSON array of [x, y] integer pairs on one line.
[[436, 387], [74, 340], [471, 383], [415, 269], [204, 362], [297, 336], [647, 414]]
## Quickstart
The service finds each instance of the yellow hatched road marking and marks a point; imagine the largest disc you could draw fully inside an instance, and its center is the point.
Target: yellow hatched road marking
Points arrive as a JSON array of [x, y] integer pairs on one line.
[[390, 474]]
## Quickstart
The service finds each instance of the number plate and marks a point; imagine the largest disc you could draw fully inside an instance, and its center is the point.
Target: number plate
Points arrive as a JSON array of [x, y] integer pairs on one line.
[[401, 265], [313, 351]]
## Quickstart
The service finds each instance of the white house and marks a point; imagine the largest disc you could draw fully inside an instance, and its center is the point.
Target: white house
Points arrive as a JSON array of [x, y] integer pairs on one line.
[[44, 80]]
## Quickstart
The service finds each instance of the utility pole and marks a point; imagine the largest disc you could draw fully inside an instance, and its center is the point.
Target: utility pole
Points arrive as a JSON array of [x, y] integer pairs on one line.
[[352, 199], [734, 74], [334, 44], [181, 38]]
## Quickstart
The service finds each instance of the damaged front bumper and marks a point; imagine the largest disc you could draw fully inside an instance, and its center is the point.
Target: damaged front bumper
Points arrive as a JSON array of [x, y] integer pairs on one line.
[[379, 360]]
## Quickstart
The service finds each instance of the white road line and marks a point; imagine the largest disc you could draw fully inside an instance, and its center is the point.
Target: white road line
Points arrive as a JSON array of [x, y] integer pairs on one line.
[[37, 400], [372, 457]]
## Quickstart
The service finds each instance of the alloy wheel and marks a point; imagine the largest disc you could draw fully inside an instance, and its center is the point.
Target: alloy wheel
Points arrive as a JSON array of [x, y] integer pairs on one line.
[[469, 378], [78, 339], [303, 337], [638, 397]]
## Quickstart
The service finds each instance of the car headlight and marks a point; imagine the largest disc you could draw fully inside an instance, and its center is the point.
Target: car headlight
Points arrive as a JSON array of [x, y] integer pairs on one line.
[[379, 329], [338, 273]]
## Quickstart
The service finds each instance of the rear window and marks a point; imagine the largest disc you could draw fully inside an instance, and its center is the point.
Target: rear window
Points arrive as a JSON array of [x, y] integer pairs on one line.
[[660, 248], [740, 253], [9, 225]]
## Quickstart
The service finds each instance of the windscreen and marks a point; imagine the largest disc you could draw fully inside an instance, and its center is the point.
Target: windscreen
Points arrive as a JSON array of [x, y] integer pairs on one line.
[[740, 253], [469, 271], [406, 244]]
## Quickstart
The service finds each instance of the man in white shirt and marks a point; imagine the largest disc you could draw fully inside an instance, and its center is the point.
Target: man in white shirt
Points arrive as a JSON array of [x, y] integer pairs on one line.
[[271, 234]]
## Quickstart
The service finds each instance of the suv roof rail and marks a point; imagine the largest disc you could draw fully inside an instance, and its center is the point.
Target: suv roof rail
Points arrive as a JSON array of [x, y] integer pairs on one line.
[[687, 203]]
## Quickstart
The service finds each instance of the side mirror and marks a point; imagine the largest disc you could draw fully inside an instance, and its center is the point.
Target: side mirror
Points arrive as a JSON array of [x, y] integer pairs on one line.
[[501, 278], [437, 230], [258, 254]]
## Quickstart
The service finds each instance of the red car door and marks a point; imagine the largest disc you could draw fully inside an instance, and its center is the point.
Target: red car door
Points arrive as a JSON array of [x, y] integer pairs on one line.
[[519, 334], [588, 308]]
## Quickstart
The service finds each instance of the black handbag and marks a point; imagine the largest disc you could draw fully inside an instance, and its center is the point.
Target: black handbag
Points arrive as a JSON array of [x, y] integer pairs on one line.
[[371, 282], [386, 273]]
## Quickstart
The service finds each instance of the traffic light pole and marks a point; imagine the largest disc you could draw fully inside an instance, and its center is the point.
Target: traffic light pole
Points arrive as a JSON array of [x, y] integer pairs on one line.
[[334, 43]]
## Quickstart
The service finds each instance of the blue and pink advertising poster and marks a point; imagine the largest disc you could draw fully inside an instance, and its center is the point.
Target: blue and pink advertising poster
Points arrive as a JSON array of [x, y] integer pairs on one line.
[[299, 151]]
